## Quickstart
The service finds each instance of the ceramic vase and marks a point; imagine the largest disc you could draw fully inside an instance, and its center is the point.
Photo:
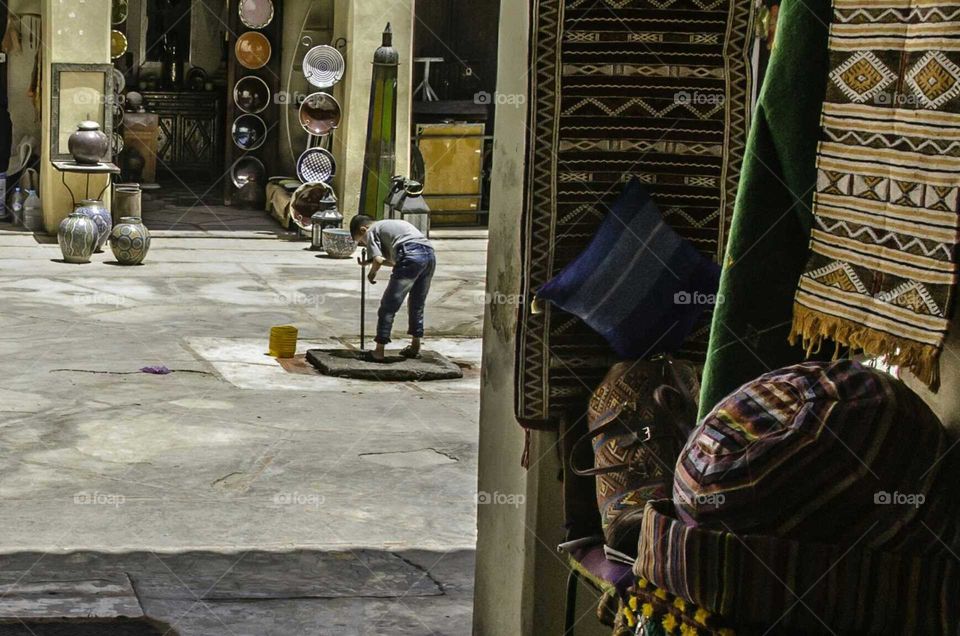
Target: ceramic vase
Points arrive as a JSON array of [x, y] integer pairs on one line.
[[338, 243], [77, 236], [130, 241], [100, 215], [88, 144]]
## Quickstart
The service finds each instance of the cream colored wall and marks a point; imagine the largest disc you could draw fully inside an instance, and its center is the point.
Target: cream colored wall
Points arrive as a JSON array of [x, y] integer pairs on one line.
[[19, 74], [945, 402], [362, 24], [298, 17], [75, 31], [520, 578]]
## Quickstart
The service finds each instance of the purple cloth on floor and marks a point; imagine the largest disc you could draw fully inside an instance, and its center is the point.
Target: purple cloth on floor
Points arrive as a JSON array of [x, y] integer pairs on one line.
[[594, 561], [158, 370]]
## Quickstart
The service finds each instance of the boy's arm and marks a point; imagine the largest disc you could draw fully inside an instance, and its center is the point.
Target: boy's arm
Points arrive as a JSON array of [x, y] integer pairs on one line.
[[376, 264]]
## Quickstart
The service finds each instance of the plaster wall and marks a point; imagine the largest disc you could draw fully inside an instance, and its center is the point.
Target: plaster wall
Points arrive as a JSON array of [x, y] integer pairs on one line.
[[520, 578], [361, 25], [945, 402], [75, 31]]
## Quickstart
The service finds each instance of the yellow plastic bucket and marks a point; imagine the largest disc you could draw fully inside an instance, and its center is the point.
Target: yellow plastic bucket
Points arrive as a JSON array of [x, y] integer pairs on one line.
[[283, 341]]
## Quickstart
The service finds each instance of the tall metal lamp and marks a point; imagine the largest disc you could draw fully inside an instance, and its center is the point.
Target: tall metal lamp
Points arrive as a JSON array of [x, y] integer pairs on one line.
[[380, 158]]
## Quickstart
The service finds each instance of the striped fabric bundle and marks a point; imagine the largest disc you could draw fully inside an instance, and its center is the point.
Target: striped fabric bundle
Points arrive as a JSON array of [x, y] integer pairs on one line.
[[829, 482], [760, 583], [883, 264]]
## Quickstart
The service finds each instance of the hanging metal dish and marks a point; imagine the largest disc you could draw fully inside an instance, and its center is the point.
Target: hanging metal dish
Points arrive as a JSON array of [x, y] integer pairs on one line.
[[253, 50], [247, 170], [118, 44], [118, 144], [323, 66], [119, 81], [256, 14], [316, 165], [119, 11], [251, 94], [320, 114], [249, 132]]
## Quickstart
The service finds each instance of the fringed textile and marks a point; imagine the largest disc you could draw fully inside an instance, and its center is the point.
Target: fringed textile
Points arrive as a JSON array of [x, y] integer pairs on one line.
[[883, 264]]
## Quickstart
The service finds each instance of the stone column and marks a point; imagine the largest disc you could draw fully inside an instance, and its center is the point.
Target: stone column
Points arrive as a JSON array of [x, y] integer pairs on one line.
[[520, 578]]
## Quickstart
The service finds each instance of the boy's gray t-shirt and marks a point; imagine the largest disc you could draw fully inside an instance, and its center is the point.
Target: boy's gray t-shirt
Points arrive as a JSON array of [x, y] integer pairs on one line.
[[384, 237]]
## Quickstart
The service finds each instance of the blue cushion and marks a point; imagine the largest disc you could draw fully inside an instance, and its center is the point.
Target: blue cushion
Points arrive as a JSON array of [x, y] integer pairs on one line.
[[638, 284]]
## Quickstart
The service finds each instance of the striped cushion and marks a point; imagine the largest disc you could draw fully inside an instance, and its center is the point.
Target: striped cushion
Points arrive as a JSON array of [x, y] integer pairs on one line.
[[828, 482], [821, 451], [638, 284], [783, 586]]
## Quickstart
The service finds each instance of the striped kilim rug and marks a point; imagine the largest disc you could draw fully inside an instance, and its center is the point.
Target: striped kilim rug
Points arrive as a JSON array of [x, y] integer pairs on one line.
[[657, 89], [883, 264]]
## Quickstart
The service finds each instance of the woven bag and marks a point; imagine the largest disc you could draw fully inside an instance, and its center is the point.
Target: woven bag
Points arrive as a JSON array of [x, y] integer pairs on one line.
[[639, 419]]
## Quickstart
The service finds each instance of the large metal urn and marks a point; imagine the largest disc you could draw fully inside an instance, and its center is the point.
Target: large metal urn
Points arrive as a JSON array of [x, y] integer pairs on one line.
[[88, 144]]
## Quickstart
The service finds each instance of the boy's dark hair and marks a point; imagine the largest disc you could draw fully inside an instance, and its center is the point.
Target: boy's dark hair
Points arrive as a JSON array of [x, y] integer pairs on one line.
[[357, 222]]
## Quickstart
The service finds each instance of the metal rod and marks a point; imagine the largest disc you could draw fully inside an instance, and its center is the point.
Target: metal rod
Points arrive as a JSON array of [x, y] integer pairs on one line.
[[363, 297]]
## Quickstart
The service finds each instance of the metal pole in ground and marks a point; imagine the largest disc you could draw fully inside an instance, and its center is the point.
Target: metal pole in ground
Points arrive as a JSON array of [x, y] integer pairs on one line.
[[363, 297]]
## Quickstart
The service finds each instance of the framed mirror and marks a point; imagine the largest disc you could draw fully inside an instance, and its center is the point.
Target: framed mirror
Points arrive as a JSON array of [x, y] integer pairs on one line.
[[79, 92]]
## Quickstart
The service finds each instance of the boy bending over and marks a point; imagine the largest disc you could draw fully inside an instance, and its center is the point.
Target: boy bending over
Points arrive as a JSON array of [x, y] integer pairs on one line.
[[399, 245]]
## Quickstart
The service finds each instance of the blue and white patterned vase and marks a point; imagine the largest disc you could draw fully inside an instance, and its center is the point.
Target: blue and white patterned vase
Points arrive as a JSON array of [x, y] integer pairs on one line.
[[100, 215], [130, 241], [78, 235]]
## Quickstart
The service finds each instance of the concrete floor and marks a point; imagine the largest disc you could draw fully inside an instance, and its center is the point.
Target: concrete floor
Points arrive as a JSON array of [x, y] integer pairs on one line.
[[230, 452]]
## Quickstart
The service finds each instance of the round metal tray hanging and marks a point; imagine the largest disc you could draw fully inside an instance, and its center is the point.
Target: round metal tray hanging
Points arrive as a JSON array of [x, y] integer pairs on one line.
[[253, 50], [320, 114], [119, 12], [247, 170], [249, 132], [256, 14], [251, 94], [119, 81], [316, 165], [118, 44], [323, 66]]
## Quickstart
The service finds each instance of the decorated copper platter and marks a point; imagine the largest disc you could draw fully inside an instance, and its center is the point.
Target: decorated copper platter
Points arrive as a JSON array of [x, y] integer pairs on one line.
[[253, 50]]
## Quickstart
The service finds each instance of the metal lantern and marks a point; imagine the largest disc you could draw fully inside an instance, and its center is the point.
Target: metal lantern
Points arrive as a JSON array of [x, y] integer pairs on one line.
[[318, 203], [380, 158], [321, 221]]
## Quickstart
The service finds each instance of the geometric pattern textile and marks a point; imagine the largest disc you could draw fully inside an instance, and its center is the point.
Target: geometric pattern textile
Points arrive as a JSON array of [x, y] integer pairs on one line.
[[883, 261], [660, 90]]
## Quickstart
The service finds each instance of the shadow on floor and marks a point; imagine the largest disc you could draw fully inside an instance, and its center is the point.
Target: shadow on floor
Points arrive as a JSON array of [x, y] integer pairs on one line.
[[340, 593]]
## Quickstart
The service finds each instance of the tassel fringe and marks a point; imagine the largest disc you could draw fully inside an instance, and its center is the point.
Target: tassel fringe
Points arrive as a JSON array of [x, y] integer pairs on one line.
[[814, 327]]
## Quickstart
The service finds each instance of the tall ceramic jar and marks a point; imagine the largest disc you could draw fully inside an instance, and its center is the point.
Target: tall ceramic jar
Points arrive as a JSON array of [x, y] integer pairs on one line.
[[88, 144], [130, 241], [100, 215], [77, 236]]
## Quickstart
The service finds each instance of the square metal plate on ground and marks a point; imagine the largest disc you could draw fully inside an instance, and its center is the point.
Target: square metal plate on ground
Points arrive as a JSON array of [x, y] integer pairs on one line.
[[344, 363]]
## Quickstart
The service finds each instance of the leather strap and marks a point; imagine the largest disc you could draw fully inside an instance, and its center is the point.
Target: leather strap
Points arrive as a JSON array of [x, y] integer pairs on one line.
[[673, 409]]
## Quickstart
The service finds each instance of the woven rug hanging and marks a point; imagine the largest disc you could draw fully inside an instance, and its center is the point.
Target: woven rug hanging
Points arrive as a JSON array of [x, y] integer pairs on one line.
[[660, 90], [883, 264]]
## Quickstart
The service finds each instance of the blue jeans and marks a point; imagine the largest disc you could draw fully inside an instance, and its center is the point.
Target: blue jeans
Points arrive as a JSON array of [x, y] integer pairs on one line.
[[411, 277]]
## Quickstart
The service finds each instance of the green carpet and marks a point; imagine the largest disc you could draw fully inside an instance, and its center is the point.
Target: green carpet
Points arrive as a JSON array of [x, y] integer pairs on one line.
[[770, 233]]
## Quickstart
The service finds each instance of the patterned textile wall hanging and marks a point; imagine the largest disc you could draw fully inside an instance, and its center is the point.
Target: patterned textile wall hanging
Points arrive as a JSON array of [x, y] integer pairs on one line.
[[883, 267], [657, 89]]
